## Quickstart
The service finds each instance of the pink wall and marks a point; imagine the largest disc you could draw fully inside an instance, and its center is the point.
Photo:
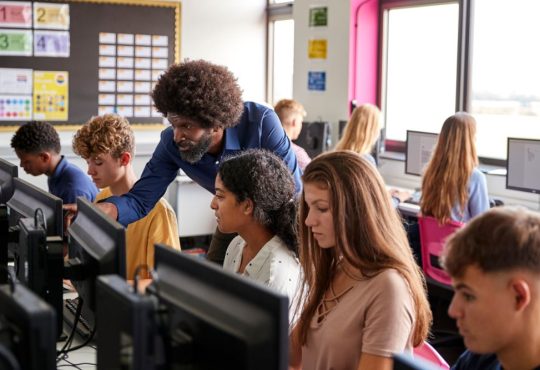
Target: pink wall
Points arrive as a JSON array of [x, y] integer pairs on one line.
[[364, 54]]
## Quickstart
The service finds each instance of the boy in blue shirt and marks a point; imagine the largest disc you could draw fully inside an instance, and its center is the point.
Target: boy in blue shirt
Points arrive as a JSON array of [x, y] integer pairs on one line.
[[37, 145], [494, 263]]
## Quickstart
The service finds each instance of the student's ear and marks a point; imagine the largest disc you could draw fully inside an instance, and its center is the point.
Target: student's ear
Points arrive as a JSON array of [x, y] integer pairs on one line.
[[45, 157], [522, 293], [125, 158], [248, 207]]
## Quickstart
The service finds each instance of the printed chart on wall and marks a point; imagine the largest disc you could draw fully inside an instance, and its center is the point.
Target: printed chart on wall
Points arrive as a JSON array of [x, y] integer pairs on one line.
[[64, 62]]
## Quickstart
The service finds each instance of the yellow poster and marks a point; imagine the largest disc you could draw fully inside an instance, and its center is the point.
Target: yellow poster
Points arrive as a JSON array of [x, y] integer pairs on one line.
[[317, 49], [51, 95]]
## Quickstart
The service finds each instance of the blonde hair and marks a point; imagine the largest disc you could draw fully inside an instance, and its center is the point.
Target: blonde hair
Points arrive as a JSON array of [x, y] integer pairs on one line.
[[107, 134], [369, 235], [286, 109], [362, 130], [446, 178]]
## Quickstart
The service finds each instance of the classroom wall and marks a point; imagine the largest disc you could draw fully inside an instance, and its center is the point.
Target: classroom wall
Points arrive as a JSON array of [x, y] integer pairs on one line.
[[231, 33]]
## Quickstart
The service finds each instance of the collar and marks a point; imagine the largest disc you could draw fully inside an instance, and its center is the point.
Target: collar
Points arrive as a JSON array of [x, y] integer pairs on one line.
[[232, 141], [60, 167]]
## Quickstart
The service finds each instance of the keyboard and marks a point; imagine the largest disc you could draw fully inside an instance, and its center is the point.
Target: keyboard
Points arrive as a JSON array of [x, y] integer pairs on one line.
[[414, 198], [84, 327]]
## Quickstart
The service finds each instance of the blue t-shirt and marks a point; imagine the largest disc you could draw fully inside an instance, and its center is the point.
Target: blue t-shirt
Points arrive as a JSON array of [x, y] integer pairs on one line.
[[259, 127], [478, 201], [473, 361], [69, 182]]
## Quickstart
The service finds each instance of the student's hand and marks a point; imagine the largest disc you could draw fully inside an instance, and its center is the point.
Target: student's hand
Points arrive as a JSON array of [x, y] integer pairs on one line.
[[402, 195], [70, 210], [109, 209]]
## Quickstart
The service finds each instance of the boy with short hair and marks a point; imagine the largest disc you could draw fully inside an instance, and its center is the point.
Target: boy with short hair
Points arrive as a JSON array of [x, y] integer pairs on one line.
[[291, 114], [37, 145], [107, 144], [494, 263]]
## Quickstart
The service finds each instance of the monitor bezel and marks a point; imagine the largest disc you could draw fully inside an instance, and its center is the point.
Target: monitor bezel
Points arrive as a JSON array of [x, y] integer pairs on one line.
[[511, 187], [8, 171]]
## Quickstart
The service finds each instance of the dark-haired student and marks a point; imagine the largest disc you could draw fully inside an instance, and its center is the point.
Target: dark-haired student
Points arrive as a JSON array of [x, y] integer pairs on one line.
[[203, 103], [494, 263], [37, 146], [255, 197]]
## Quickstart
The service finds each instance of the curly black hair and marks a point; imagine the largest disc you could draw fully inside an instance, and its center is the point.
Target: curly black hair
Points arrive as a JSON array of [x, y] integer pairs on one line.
[[35, 137], [199, 90], [264, 178]]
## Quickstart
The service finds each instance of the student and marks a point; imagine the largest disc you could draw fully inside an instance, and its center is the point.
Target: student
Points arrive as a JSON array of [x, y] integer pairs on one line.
[[362, 131], [37, 145], [452, 187], [203, 103], [366, 296], [494, 263], [107, 144], [291, 114], [255, 198]]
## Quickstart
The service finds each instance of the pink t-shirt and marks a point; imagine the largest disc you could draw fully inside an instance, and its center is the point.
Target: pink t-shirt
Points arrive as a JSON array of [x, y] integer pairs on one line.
[[376, 316]]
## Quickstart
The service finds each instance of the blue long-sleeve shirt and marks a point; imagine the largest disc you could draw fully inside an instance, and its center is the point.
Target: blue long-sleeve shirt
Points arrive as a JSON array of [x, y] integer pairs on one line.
[[259, 127]]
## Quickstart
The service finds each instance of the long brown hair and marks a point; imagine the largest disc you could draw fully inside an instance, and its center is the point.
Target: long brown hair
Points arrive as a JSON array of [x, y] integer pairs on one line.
[[369, 235], [362, 130], [445, 181]]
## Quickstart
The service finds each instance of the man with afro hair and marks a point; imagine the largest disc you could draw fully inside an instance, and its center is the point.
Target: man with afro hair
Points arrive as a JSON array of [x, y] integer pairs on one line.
[[209, 121], [37, 145]]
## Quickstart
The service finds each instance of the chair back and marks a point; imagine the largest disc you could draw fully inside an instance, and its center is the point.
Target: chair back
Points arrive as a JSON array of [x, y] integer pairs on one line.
[[428, 353], [432, 239]]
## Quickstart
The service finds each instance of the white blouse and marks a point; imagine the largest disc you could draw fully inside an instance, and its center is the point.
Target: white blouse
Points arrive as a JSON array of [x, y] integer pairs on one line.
[[275, 266]]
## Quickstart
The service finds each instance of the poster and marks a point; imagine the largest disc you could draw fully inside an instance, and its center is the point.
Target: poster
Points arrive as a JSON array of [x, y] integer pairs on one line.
[[317, 49], [51, 95], [318, 16], [316, 81], [51, 16], [16, 14], [15, 42]]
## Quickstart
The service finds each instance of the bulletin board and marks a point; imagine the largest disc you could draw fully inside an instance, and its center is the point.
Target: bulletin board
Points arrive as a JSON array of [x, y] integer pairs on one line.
[[66, 61]]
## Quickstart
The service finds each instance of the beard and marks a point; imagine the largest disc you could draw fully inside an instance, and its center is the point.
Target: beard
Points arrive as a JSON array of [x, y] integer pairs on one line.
[[195, 149]]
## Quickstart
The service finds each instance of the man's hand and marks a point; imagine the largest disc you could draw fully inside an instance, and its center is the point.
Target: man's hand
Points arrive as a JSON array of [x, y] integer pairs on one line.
[[109, 209]]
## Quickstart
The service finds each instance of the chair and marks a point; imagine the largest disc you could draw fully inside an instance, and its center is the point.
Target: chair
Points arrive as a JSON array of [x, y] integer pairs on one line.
[[428, 353], [432, 238]]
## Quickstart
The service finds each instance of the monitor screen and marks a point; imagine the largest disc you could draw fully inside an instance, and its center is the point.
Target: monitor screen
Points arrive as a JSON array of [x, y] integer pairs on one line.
[[27, 198], [8, 171], [214, 319], [523, 165], [407, 362], [418, 153], [315, 138], [28, 328], [96, 247]]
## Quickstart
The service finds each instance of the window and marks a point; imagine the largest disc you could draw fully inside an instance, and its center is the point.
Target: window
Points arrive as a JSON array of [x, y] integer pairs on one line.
[[419, 67], [280, 51], [505, 74]]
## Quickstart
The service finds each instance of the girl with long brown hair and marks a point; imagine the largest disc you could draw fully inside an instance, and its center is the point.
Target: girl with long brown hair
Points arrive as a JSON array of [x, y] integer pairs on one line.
[[365, 296], [452, 187]]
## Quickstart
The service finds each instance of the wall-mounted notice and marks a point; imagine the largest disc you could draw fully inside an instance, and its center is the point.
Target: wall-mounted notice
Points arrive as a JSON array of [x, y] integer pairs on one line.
[[51, 43], [51, 95], [15, 42], [15, 94], [16, 14], [317, 49], [316, 81], [318, 16], [51, 16]]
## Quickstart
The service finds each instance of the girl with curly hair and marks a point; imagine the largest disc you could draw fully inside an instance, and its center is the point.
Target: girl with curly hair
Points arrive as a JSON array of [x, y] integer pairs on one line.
[[255, 198], [365, 294]]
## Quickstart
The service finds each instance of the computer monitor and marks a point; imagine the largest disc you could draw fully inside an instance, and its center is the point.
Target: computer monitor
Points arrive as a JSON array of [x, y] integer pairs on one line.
[[39, 263], [127, 326], [523, 165], [407, 362], [8, 171], [209, 318], [28, 328], [96, 247], [315, 138], [27, 198], [418, 153]]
